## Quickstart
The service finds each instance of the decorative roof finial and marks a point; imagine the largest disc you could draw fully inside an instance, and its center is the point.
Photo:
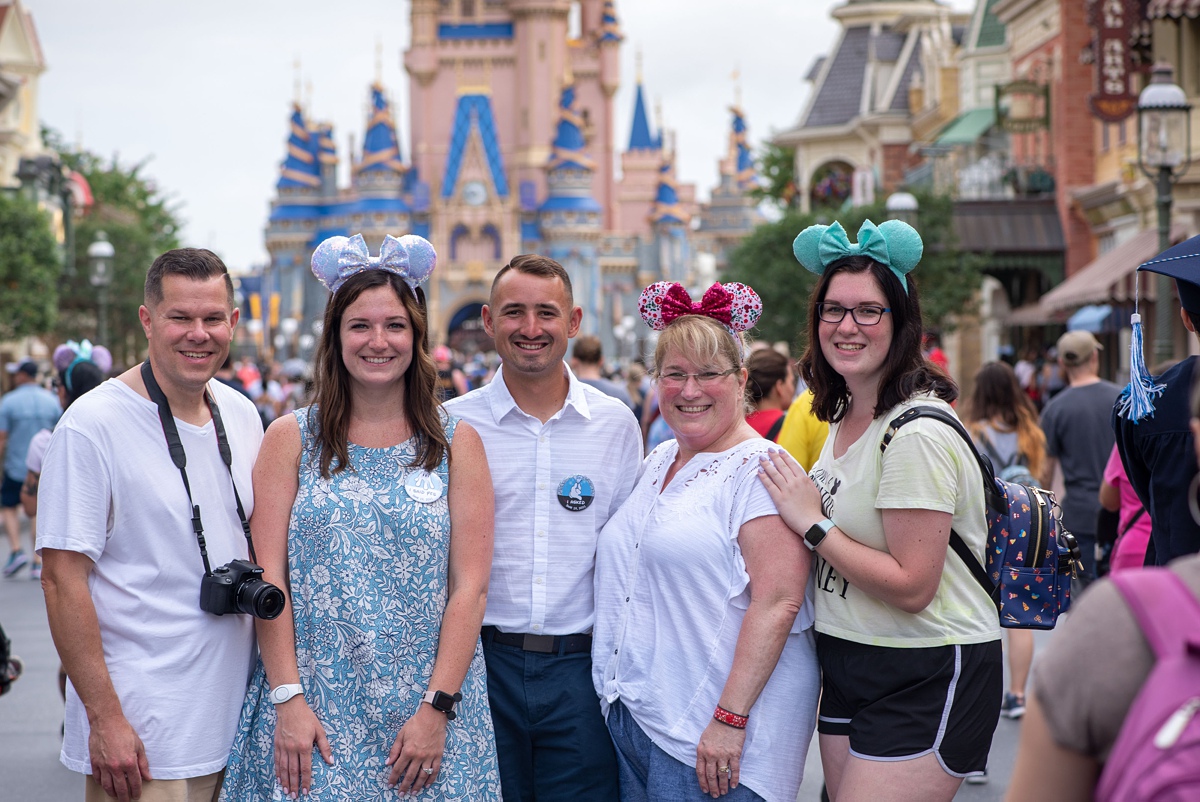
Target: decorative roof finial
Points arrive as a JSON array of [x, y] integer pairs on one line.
[[296, 98], [378, 59]]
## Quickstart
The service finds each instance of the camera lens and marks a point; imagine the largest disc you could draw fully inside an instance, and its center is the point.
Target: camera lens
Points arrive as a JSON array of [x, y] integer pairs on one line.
[[260, 599]]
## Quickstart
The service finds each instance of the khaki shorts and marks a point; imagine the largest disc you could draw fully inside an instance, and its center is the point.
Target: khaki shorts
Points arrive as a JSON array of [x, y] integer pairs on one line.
[[193, 789]]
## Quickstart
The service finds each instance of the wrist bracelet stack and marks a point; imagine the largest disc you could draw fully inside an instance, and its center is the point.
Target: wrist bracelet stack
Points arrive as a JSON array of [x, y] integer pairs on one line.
[[732, 719]]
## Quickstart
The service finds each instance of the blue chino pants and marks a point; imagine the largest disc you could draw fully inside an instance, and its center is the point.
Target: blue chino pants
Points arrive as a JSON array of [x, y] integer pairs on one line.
[[551, 741], [648, 774]]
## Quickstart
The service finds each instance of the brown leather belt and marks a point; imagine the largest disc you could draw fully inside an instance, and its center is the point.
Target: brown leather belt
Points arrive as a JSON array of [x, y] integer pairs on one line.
[[542, 644]]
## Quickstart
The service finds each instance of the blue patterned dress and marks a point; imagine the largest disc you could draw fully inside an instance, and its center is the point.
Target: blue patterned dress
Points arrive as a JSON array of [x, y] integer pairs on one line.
[[368, 570]]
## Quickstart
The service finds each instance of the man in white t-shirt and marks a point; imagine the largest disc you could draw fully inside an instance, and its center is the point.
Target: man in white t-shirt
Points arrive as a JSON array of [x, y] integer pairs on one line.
[[156, 684], [564, 457]]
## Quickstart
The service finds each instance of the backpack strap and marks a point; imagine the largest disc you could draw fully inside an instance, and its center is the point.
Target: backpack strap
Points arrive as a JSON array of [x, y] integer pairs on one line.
[[1166, 610], [990, 490], [776, 428]]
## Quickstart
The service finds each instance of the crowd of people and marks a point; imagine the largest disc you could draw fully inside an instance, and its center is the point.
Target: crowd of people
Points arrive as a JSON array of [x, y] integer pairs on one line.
[[540, 581]]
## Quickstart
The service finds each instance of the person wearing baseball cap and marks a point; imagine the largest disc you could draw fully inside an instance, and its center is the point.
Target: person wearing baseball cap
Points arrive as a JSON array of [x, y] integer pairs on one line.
[[24, 411], [1156, 442], [1079, 437]]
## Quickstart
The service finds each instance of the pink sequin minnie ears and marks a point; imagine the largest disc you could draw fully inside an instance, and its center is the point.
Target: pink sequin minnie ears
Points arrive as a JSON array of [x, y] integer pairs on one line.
[[338, 258], [733, 305], [894, 243]]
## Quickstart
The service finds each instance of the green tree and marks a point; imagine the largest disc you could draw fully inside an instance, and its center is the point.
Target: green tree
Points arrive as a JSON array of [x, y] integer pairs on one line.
[[140, 223], [948, 277], [30, 265], [777, 166]]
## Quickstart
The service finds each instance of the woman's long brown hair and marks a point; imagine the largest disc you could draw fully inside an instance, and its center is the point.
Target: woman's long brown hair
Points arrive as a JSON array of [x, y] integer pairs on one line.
[[330, 407], [998, 398]]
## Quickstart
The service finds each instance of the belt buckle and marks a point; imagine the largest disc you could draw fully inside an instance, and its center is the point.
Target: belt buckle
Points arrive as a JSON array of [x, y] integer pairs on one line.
[[538, 643]]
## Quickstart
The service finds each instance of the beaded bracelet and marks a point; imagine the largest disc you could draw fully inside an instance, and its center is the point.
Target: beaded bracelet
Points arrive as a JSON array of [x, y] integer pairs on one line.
[[732, 719]]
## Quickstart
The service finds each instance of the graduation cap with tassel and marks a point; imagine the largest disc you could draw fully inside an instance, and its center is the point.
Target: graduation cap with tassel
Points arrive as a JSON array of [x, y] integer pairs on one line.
[[1182, 263]]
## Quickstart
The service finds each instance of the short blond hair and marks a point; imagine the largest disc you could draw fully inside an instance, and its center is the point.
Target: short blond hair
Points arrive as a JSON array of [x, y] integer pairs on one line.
[[701, 340]]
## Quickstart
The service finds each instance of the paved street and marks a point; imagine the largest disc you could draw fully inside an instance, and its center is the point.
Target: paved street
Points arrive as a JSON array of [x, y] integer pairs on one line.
[[31, 714]]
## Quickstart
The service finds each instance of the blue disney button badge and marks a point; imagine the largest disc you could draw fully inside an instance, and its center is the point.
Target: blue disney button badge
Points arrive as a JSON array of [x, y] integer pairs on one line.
[[424, 486], [576, 493]]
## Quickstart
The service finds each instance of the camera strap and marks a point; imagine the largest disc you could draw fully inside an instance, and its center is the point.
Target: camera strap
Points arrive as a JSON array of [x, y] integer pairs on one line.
[[179, 457]]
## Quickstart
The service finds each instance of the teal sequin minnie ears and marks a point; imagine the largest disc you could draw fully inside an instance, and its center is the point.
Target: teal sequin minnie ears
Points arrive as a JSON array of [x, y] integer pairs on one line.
[[894, 243]]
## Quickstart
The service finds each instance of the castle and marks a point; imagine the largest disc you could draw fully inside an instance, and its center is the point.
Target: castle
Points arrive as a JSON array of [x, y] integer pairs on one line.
[[513, 151]]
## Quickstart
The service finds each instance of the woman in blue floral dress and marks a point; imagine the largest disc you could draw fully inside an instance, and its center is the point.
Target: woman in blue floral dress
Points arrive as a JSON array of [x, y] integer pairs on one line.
[[373, 510]]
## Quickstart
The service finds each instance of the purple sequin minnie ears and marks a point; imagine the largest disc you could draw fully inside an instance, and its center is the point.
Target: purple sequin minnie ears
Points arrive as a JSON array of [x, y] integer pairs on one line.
[[71, 353], [735, 306], [338, 258]]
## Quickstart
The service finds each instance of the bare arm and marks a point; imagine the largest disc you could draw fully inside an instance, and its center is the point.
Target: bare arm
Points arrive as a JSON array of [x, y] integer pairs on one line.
[[1047, 477], [1110, 497], [276, 482], [118, 757], [422, 739], [778, 565], [1074, 776], [906, 576], [29, 493]]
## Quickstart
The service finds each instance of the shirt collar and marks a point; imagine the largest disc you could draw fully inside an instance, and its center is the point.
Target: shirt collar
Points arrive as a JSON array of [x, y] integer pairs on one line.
[[502, 402]]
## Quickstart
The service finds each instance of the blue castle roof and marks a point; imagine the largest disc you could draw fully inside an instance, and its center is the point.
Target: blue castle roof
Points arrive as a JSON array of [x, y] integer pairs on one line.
[[569, 141], [474, 112], [667, 208], [300, 168], [326, 151], [610, 28], [381, 148], [744, 171], [640, 137]]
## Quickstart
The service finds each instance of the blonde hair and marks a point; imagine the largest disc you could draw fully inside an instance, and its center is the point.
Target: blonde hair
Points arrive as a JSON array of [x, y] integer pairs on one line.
[[699, 339]]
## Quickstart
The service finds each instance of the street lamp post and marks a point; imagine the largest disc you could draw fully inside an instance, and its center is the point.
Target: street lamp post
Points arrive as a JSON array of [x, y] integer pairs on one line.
[[1164, 153], [100, 261], [902, 206]]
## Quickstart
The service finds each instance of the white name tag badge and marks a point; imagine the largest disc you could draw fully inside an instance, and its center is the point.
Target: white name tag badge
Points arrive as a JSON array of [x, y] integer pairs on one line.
[[424, 486]]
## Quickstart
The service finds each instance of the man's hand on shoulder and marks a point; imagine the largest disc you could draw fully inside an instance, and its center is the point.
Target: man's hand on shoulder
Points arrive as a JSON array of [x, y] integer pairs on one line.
[[118, 757]]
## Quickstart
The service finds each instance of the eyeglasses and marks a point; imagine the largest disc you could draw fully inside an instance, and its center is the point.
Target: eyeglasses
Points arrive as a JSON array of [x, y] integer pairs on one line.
[[865, 315], [676, 379]]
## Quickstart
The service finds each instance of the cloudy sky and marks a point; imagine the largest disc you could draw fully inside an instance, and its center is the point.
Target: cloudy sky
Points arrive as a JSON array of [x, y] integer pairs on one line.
[[201, 91]]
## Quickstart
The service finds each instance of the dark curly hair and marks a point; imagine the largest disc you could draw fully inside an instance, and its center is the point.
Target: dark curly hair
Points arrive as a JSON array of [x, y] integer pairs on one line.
[[906, 371]]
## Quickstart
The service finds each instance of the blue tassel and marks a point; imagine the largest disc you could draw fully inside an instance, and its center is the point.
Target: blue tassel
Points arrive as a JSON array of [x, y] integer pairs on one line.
[[1137, 400]]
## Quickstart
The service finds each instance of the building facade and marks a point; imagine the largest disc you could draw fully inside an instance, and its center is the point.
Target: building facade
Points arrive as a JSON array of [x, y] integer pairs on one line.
[[513, 151]]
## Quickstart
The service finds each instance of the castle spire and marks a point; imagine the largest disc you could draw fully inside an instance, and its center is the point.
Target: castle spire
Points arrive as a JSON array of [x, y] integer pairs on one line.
[[667, 208], [300, 168], [640, 137], [610, 28], [569, 140], [381, 149], [744, 172]]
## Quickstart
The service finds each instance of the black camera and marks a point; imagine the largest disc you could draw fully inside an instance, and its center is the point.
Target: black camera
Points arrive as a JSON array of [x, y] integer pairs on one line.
[[238, 587]]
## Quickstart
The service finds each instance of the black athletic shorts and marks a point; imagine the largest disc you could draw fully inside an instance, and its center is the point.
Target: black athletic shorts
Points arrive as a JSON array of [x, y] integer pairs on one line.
[[10, 491], [901, 704]]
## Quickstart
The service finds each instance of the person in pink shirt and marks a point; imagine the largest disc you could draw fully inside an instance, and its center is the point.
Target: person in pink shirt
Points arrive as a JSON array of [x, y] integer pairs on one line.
[[1117, 495]]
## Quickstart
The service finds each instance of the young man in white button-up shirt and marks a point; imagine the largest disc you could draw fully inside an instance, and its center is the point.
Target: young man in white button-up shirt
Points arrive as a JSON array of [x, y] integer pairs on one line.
[[564, 457]]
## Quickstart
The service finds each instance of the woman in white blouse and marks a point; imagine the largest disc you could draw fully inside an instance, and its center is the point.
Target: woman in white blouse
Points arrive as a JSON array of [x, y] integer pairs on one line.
[[703, 652]]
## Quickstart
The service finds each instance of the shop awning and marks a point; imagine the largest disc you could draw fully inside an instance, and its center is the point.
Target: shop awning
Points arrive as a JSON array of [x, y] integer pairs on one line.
[[1089, 318], [968, 127], [1009, 226], [1110, 277], [1172, 9]]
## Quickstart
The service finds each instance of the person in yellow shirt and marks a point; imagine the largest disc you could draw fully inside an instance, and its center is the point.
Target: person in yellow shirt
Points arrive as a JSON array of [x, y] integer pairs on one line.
[[802, 434]]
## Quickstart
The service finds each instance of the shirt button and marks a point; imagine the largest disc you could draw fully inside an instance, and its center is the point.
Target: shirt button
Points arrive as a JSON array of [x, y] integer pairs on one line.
[[541, 485], [626, 599], [541, 533], [542, 439], [537, 626], [538, 580]]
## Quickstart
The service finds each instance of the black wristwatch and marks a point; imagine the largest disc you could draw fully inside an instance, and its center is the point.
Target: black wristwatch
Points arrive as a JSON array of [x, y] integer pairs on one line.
[[443, 701], [816, 533]]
